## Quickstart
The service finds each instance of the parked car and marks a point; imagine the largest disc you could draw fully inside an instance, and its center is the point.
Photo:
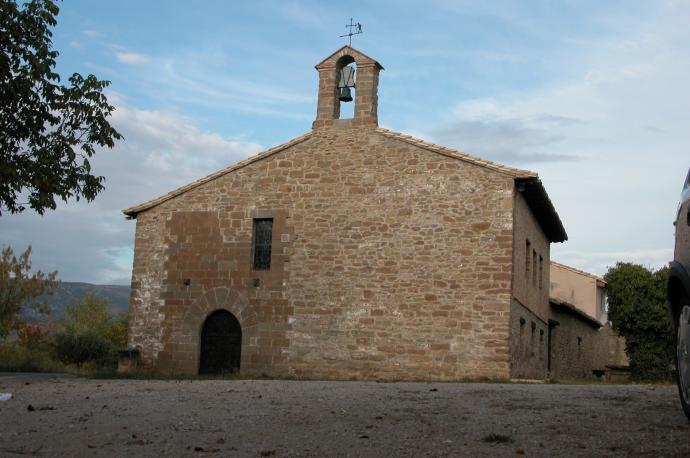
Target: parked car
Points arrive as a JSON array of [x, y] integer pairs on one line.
[[678, 293]]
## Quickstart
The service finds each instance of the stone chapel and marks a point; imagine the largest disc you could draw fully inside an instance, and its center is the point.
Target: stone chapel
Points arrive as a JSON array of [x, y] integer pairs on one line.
[[351, 252]]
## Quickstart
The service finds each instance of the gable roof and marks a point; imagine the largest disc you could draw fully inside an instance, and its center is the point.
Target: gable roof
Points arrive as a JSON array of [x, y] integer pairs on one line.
[[534, 193], [528, 183], [131, 212], [600, 281], [359, 57], [572, 309], [450, 152]]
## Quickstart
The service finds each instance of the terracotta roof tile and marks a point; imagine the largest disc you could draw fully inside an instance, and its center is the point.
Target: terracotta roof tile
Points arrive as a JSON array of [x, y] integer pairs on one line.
[[576, 311]]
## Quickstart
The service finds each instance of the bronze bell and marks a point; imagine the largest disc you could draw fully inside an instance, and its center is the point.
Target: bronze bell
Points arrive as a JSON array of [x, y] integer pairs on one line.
[[344, 94]]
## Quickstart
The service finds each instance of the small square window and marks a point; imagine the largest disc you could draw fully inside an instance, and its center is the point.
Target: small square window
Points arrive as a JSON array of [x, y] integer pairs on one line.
[[261, 246]]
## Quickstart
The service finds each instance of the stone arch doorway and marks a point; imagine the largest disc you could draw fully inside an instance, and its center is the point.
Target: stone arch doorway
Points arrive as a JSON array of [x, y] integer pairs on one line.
[[221, 344]]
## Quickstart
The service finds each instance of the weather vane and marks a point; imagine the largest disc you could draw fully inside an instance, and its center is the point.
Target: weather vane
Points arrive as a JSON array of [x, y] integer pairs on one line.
[[357, 30]]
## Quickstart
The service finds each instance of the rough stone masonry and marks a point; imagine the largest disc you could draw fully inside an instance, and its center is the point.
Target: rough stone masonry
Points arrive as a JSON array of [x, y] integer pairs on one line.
[[390, 257]]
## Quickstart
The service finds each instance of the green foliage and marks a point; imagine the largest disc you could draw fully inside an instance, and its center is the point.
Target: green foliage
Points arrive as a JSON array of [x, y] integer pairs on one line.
[[87, 347], [15, 357], [48, 131], [636, 299], [92, 314], [116, 332], [89, 339], [90, 334], [19, 288]]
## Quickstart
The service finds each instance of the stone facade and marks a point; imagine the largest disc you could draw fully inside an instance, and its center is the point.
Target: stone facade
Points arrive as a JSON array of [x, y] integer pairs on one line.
[[528, 344], [583, 289], [579, 345], [391, 257], [582, 343], [616, 345], [530, 304]]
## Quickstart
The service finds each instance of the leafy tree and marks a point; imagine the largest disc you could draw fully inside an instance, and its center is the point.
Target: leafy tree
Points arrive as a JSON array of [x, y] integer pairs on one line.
[[636, 299], [116, 332], [19, 288], [91, 334], [34, 338], [48, 131], [92, 315]]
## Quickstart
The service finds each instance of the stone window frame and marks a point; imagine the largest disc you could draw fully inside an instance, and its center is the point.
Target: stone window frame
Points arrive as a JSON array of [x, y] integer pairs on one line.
[[254, 246], [281, 238]]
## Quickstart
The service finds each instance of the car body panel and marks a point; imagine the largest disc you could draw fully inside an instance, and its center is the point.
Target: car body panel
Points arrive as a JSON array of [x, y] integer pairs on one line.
[[682, 249], [678, 296]]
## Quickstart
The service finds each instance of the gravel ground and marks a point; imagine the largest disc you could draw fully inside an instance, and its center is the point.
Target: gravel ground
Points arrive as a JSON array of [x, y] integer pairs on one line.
[[55, 415]]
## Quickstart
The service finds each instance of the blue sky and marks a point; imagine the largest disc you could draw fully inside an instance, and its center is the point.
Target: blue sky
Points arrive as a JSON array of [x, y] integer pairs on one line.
[[591, 95]]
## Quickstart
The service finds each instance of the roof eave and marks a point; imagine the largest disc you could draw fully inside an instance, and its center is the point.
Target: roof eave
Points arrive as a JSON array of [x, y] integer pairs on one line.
[[600, 281], [455, 154], [538, 200], [326, 64], [576, 311], [132, 212]]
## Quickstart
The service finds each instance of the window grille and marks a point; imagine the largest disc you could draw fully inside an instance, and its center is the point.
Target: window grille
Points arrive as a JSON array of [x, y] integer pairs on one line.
[[263, 233]]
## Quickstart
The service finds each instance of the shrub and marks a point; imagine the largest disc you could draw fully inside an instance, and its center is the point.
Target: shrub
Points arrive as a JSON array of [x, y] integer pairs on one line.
[[91, 336], [15, 357], [34, 338], [92, 314], [87, 347], [116, 331]]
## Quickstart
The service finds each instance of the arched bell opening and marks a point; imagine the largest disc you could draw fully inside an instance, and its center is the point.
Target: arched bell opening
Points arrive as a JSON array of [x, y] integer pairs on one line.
[[345, 87], [221, 344]]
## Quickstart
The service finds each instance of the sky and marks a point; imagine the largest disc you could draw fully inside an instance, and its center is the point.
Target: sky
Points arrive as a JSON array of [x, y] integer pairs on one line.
[[593, 96]]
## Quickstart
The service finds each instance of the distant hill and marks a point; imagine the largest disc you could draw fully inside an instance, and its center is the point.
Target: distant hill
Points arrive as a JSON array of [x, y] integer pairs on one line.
[[73, 292]]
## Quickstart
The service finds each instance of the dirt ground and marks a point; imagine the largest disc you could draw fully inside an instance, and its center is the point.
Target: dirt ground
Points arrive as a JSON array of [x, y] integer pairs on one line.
[[51, 415]]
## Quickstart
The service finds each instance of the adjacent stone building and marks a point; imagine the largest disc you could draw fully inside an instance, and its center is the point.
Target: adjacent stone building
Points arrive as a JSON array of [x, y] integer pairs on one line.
[[583, 289], [351, 252], [582, 343]]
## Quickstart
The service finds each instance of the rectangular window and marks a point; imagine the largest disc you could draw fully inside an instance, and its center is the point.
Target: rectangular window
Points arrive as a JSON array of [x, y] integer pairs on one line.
[[263, 232], [534, 267], [541, 272], [528, 262]]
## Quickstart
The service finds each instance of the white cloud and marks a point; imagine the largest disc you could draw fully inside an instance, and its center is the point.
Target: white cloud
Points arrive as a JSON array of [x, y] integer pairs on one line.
[[509, 140], [131, 58], [190, 79], [169, 150], [623, 115], [93, 242]]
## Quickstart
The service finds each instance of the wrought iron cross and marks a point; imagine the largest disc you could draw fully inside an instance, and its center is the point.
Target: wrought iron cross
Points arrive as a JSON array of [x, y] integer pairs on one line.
[[357, 27]]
